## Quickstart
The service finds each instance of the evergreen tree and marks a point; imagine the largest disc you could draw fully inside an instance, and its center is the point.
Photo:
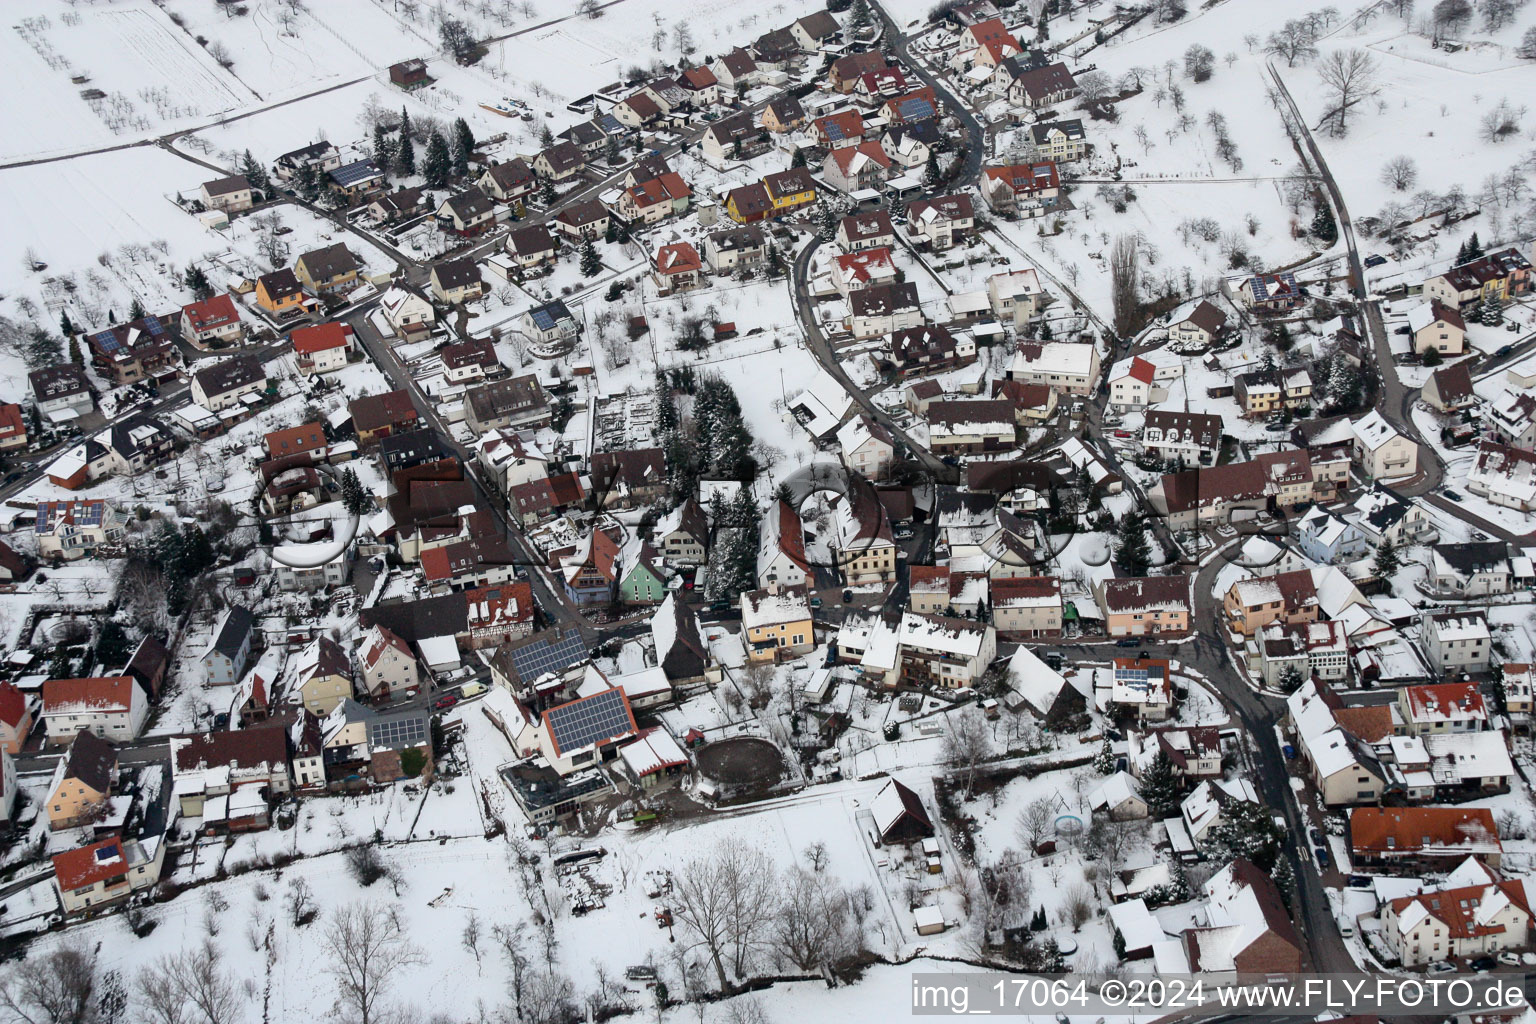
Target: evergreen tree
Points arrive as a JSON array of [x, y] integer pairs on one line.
[[1104, 761], [1285, 880], [383, 147], [1386, 562], [1323, 227], [666, 410], [136, 311], [1493, 311], [1472, 251], [65, 327], [254, 173], [1133, 552], [112, 645], [547, 193], [1248, 830], [438, 164], [354, 497], [611, 150], [783, 492], [1045, 330], [591, 262], [198, 282], [307, 182], [1290, 679], [463, 138], [931, 172], [1159, 788], [546, 136], [774, 264], [75, 356], [858, 16], [405, 153]]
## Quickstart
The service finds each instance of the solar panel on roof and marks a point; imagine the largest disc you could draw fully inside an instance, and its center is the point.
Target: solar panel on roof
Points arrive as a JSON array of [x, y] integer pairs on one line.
[[536, 659], [589, 720], [405, 731], [107, 853], [352, 173], [835, 131]]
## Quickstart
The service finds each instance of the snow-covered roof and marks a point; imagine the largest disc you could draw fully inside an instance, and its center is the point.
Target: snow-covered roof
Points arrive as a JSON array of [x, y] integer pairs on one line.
[[1373, 431], [949, 636], [1136, 925], [1115, 791]]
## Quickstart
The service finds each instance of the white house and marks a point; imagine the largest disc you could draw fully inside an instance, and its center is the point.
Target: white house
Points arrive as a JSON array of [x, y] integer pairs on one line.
[[867, 447], [112, 707], [1380, 451]]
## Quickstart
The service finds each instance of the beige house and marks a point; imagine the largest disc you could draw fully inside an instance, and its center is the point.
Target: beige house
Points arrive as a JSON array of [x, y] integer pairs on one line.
[[1439, 328], [1341, 765], [1464, 921], [777, 625], [232, 194], [104, 872], [322, 676], [457, 281], [1027, 606], [388, 664], [862, 542], [1201, 327], [82, 782], [1380, 451], [867, 447]]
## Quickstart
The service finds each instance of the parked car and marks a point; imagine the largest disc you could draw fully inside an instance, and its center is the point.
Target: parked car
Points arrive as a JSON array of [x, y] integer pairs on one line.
[[1289, 752], [847, 597], [1322, 856], [445, 702], [469, 690], [1504, 350], [1375, 260], [1451, 495], [1405, 329], [1360, 881], [1483, 964], [1441, 967], [1128, 642], [1316, 837], [1509, 959]]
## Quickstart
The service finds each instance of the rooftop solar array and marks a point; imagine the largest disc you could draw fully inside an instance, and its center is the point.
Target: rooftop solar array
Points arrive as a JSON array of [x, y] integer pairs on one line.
[[590, 720], [351, 174], [915, 109], [107, 341], [535, 659], [545, 317], [399, 731]]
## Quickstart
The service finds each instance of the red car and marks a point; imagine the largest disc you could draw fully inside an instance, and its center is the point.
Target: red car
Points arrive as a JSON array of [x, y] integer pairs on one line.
[[1124, 433], [445, 702]]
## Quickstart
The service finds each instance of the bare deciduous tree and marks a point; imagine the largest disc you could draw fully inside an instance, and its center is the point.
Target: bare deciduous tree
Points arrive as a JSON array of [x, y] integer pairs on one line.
[[1034, 822], [1348, 74], [59, 988], [1400, 173], [724, 902], [814, 923], [1295, 41], [1125, 282], [967, 744], [1079, 907], [366, 949]]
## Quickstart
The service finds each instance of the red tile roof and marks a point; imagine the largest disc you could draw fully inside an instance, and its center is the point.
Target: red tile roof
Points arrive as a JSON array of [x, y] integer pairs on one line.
[[321, 337], [215, 311], [87, 865], [13, 706], [101, 693], [677, 258]]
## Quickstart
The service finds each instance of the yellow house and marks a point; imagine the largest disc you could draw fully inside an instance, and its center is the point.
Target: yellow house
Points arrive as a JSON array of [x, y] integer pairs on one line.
[[789, 190], [82, 782], [777, 624], [280, 293], [324, 676], [749, 203]]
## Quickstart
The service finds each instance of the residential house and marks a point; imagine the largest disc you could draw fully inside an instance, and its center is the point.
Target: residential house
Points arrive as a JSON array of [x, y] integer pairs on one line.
[[867, 447], [702, 86], [320, 156], [215, 321], [915, 107], [1186, 438], [516, 402], [845, 72], [1342, 766], [636, 111], [137, 443], [1511, 419], [83, 781], [777, 624], [583, 220], [1026, 607], [930, 348], [229, 778], [1457, 642], [225, 660], [1268, 293], [736, 70], [1473, 569], [781, 560], [550, 324], [862, 165], [640, 578], [1503, 275], [677, 268], [15, 719], [1145, 606], [455, 282], [590, 573], [111, 707], [871, 230], [357, 180], [680, 650], [682, 535], [409, 75], [971, 427], [469, 361], [1132, 384], [323, 348], [321, 676], [1437, 327], [1449, 389], [1116, 798], [884, 309], [377, 416], [280, 294], [565, 160], [398, 206], [1069, 367], [332, 270], [1381, 516], [408, 311], [60, 392], [1329, 539], [1028, 190], [1439, 708], [1247, 928], [233, 194], [729, 138], [783, 114], [749, 203], [1423, 838], [467, 213], [866, 268], [1141, 687], [862, 542], [105, 872], [629, 478], [1015, 296], [1457, 921], [510, 182], [133, 351], [1288, 598], [68, 530], [655, 200], [944, 652], [1060, 142], [532, 246], [942, 222], [815, 30], [389, 667], [1209, 804], [1034, 87], [1200, 328], [789, 190], [1380, 451], [735, 248]]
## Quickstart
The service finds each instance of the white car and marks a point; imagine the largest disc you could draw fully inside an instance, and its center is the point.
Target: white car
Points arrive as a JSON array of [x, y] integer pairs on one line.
[[1441, 967], [1509, 959]]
